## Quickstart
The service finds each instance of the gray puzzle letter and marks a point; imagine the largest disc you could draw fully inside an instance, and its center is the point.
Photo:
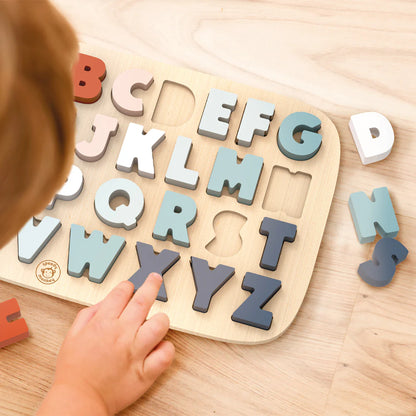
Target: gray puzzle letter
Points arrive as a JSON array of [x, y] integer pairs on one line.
[[208, 282], [250, 312], [388, 253], [277, 233], [153, 263]]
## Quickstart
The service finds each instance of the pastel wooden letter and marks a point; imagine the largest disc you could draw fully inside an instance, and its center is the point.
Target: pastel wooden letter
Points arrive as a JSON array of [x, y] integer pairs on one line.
[[371, 215], [32, 239], [12, 329], [177, 174], [373, 135], [124, 216], [256, 120], [208, 282], [310, 140], [217, 113], [92, 252], [103, 127], [150, 262], [388, 253], [176, 214], [228, 172], [277, 233], [87, 75], [72, 187], [123, 86], [139, 147], [251, 311]]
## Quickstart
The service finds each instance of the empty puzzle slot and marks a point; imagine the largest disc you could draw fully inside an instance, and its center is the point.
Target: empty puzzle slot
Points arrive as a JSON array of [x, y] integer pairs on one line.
[[227, 240], [287, 191], [175, 104]]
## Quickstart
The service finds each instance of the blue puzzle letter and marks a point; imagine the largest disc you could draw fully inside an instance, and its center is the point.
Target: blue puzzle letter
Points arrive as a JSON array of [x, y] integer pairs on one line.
[[262, 289], [371, 215], [153, 263], [92, 252], [208, 282], [124, 215], [310, 140], [277, 233], [227, 172], [32, 238], [176, 214], [388, 253]]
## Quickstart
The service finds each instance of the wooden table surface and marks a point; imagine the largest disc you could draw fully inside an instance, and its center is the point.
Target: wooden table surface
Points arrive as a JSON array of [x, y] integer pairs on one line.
[[352, 348]]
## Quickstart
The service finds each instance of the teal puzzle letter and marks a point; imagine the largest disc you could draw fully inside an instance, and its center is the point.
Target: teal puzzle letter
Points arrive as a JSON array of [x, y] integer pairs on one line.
[[92, 252], [373, 215], [310, 140], [227, 172], [176, 214]]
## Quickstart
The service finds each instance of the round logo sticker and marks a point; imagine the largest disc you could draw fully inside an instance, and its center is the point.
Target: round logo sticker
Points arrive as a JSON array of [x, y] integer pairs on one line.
[[48, 272]]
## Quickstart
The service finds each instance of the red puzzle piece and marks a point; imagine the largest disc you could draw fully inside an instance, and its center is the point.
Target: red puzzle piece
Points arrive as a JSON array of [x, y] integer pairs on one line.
[[12, 329]]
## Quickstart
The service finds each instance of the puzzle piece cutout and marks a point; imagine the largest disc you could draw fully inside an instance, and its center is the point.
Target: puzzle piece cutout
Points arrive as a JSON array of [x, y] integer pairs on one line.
[[227, 228]]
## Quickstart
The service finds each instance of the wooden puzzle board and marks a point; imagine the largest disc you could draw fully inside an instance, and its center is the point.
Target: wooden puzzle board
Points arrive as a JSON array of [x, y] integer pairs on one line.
[[298, 192]]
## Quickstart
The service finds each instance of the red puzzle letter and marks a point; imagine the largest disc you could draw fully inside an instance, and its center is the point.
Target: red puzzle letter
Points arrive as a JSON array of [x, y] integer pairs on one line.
[[11, 328], [87, 75]]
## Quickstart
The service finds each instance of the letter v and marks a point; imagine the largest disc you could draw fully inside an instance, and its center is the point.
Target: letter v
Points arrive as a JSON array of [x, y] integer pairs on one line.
[[32, 238]]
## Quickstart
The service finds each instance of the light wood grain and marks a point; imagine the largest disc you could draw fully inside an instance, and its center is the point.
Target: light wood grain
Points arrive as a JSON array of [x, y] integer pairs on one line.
[[343, 58]]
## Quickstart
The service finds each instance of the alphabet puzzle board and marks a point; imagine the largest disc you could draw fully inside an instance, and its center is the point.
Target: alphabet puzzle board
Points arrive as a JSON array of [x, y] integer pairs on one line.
[[226, 229]]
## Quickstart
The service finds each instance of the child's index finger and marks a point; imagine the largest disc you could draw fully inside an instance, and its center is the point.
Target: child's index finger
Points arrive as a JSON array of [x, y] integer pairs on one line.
[[114, 303], [137, 309]]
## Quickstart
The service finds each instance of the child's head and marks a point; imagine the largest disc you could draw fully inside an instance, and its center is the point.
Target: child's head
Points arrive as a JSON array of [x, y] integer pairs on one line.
[[37, 113]]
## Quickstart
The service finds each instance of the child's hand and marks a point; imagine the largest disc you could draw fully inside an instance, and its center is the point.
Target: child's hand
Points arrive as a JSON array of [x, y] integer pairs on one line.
[[111, 354]]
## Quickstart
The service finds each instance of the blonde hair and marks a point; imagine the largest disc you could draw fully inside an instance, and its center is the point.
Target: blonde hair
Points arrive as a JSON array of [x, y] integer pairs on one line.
[[37, 113]]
